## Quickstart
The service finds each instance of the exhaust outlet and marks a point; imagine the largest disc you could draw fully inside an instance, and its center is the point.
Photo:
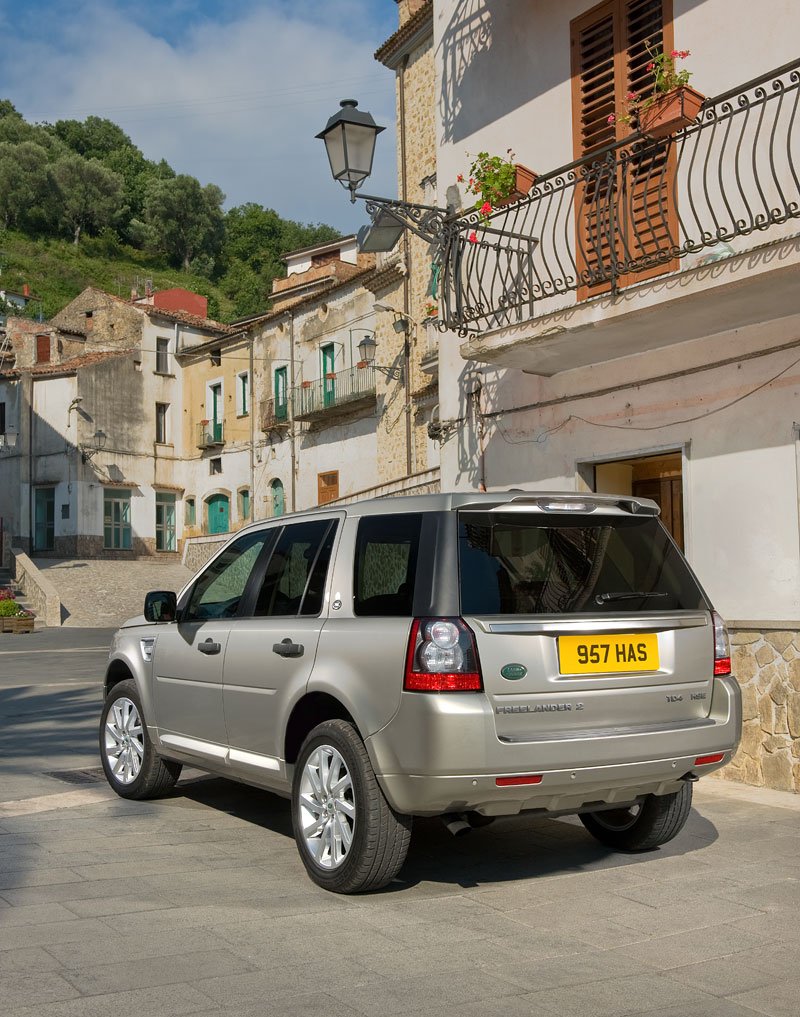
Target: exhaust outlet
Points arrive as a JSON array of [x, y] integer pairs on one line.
[[456, 823]]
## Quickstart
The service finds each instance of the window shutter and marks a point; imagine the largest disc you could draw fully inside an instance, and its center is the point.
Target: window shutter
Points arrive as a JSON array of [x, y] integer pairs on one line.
[[624, 212]]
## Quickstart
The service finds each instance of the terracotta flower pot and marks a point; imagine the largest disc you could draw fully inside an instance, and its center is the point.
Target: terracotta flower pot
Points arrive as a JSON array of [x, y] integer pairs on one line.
[[305, 384], [524, 179], [671, 112]]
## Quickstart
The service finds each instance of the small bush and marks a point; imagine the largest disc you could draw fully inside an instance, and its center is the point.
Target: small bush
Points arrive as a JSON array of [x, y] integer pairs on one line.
[[6, 594], [10, 609]]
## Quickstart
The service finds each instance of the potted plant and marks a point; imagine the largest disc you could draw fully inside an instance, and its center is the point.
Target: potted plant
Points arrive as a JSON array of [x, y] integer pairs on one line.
[[305, 384], [672, 104], [13, 618], [496, 181], [431, 310], [330, 375]]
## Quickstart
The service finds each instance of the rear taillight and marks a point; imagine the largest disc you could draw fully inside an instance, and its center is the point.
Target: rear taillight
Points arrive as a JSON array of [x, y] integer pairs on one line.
[[722, 647], [442, 657]]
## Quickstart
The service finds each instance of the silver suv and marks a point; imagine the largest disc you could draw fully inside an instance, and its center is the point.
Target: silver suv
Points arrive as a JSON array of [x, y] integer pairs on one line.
[[465, 656]]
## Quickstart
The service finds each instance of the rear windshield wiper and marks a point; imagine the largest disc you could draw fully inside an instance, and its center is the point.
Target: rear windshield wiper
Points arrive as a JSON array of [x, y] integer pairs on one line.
[[601, 598]]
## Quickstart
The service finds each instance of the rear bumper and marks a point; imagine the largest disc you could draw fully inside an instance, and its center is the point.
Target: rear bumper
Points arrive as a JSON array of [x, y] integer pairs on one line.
[[440, 754]]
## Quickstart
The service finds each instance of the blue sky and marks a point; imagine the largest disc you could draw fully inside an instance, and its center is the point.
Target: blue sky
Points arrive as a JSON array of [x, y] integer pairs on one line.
[[232, 92]]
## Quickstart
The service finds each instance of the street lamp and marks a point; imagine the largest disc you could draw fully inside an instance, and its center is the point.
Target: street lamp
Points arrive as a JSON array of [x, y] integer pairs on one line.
[[366, 351], [99, 439], [349, 138]]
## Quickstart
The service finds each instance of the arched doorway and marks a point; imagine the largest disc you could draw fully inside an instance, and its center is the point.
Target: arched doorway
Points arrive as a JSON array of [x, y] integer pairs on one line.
[[278, 498], [218, 511]]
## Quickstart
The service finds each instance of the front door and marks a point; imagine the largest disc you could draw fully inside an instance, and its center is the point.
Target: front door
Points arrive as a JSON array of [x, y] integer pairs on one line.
[[270, 653], [44, 518], [278, 498], [219, 508], [189, 653]]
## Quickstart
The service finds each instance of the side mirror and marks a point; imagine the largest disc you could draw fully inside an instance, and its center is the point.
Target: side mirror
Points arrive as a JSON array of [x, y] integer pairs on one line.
[[160, 606]]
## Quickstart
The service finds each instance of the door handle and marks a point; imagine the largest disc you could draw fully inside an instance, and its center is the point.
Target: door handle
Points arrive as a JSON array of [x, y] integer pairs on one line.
[[286, 648], [209, 647]]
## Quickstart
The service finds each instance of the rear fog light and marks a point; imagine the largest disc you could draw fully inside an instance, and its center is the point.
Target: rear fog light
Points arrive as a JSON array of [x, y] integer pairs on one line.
[[534, 778], [715, 757]]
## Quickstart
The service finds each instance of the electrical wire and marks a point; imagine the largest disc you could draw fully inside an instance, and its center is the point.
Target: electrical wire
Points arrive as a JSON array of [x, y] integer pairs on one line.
[[542, 436]]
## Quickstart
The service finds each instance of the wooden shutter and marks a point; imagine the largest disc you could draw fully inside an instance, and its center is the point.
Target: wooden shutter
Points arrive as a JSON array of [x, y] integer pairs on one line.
[[42, 349], [327, 487], [623, 211]]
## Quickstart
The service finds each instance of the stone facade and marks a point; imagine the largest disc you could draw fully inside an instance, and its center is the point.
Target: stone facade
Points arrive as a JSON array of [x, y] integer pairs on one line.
[[406, 449], [766, 663]]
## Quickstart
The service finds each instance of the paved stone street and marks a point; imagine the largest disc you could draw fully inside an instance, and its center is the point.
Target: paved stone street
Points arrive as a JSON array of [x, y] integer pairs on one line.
[[107, 593], [198, 904]]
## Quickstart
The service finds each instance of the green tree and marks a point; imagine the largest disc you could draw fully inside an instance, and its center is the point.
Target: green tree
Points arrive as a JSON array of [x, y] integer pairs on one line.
[[24, 196], [186, 218], [88, 194]]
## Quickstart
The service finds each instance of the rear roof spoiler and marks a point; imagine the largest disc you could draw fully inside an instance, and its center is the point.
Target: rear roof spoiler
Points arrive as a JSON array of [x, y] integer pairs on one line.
[[566, 503]]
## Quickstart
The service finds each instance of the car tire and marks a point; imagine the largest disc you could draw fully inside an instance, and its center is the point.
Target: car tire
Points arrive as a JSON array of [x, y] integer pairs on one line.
[[349, 837], [644, 827], [131, 764]]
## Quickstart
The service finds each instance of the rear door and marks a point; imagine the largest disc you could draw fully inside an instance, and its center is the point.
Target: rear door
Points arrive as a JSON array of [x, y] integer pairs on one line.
[[272, 649], [584, 622]]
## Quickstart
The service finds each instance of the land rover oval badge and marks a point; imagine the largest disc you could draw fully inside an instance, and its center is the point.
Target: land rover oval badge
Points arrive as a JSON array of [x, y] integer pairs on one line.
[[513, 672]]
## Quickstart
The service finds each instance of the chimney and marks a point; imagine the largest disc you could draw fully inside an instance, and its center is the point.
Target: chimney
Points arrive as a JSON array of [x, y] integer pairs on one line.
[[26, 290]]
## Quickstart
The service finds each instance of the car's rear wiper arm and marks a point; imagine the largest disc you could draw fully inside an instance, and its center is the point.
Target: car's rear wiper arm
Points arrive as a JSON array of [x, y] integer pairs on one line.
[[601, 598]]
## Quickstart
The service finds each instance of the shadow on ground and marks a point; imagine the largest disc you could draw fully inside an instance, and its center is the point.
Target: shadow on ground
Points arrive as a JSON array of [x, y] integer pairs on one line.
[[512, 848]]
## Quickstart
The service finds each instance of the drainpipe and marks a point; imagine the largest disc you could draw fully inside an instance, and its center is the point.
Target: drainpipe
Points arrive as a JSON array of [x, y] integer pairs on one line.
[[30, 469], [291, 410], [407, 276], [252, 431]]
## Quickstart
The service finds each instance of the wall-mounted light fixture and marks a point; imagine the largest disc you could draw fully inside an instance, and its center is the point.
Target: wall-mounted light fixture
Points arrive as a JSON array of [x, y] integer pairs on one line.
[[8, 441], [90, 449], [366, 353]]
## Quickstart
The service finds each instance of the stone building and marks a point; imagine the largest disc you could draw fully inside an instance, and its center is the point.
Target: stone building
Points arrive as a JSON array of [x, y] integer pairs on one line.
[[96, 403], [406, 333]]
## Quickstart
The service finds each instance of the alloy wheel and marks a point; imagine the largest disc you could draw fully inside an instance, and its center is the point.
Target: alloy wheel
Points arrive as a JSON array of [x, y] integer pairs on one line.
[[327, 807], [124, 741]]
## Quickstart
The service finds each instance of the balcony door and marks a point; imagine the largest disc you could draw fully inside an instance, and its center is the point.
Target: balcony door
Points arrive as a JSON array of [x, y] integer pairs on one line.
[[45, 518], [624, 203], [216, 411], [328, 375]]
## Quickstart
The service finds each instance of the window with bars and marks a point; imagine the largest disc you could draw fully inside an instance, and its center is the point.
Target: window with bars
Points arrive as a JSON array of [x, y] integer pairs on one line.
[[625, 209]]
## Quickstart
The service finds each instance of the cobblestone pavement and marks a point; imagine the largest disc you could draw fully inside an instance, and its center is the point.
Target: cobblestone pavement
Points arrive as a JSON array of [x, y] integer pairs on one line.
[[198, 903], [107, 593]]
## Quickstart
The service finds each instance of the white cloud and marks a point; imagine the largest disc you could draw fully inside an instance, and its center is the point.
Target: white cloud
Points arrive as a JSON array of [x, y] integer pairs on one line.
[[236, 103]]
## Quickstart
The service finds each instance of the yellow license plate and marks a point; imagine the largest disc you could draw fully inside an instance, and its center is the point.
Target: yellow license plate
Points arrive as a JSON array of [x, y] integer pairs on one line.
[[608, 654]]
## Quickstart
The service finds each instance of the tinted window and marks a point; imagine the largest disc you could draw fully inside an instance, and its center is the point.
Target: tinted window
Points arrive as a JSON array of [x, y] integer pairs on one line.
[[293, 568], [386, 564], [564, 564], [219, 589]]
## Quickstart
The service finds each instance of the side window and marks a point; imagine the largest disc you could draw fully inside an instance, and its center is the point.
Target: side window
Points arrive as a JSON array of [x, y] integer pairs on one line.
[[295, 576], [217, 592], [386, 565]]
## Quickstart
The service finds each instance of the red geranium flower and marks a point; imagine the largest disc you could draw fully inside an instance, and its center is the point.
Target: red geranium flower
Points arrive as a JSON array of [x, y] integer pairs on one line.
[[473, 237]]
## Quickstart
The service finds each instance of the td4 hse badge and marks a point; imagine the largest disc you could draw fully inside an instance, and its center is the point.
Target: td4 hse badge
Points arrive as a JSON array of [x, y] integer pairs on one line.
[[513, 672]]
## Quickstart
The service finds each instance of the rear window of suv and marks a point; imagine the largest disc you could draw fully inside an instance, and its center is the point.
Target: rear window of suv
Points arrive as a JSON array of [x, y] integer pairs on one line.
[[569, 565]]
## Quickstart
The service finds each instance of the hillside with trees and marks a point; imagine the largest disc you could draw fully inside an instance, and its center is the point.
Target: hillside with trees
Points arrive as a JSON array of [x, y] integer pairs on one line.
[[81, 205]]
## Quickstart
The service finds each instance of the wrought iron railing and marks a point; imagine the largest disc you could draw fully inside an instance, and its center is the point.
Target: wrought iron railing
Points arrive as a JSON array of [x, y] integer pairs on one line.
[[274, 414], [316, 398], [630, 210], [210, 433]]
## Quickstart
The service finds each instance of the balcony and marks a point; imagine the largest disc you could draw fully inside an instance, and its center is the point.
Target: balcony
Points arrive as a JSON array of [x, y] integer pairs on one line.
[[210, 434], [274, 415], [573, 274], [336, 393]]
